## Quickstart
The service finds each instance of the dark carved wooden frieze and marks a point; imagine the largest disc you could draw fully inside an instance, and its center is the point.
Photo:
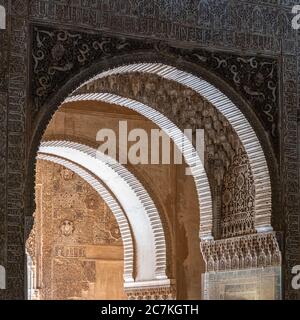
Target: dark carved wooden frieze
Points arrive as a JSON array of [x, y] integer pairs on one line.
[[57, 55]]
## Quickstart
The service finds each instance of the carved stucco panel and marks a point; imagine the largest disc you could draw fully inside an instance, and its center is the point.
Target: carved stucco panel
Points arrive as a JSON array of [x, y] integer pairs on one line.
[[238, 196], [70, 217]]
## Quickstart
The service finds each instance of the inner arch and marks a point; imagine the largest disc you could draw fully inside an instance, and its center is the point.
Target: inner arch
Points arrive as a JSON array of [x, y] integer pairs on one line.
[[245, 132], [180, 140], [114, 206], [140, 209]]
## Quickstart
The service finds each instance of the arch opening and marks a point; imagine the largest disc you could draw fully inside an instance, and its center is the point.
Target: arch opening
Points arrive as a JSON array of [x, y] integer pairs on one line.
[[228, 109]]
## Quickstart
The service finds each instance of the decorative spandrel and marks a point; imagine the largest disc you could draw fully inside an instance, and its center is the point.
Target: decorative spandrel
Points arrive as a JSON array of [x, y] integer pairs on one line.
[[255, 78], [58, 55]]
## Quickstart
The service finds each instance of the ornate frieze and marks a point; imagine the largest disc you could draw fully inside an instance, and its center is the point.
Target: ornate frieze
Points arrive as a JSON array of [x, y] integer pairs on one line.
[[245, 252], [152, 293], [69, 251], [3, 179], [256, 25]]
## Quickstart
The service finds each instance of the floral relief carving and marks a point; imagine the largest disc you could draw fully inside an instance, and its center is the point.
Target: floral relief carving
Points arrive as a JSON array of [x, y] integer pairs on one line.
[[238, 191], [30, 245], [66, 174], [91, 202]]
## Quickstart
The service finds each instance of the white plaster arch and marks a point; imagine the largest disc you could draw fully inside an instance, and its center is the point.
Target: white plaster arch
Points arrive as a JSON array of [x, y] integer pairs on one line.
[[180, 140], [2, 18], [142, 214], [245, 132], [114, 206]]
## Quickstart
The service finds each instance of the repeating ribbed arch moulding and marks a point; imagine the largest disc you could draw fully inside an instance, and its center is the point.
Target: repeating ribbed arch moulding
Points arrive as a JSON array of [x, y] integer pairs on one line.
[[183, 144], [141, 212], [245, 132]]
